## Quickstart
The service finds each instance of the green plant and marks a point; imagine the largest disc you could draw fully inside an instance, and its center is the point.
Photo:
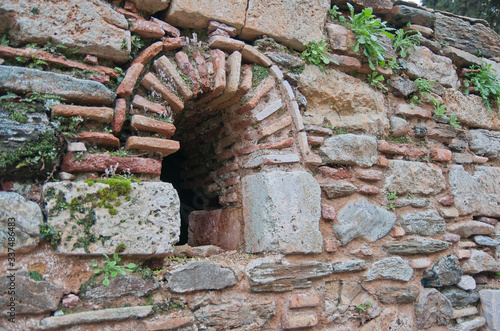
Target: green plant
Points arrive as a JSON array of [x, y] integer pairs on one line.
[[334, 12], [317, 53], [35, 11], [298, 70], [391, 195], [405, 41], [362, 307], [48, 233], [424, 88], [258, 74], [486, 83], [410, 196], [391, 206], [112, 268], [368, 29], [36, 276], [376, 80], [4, 41], [439, 110], [454, 122], [137, 45]]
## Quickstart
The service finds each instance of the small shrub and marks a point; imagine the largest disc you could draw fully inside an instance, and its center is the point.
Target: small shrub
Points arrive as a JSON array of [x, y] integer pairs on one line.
[[486, 83], [112, 268]]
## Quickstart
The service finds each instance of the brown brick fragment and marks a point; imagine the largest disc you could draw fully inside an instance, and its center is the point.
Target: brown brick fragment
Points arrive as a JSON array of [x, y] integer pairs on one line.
[[99, 138], [146, 124], [101, 114], [147, 29], [163, 146], [119, 117], [101, 162], [126, 87]]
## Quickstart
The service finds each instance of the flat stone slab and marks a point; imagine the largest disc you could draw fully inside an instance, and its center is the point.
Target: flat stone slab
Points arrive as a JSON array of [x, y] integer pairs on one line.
[[432, 308], [414, 177], [144, 217], [363, 219], [428, 223], [281, 211], [70, 89], [480, 261], [22, 217], [197, 276], [95, 316], [391, 268], [395, 295], [422, 62], [476, 193], [348, 265], [119, 287], [485, 142], [417, 246], [350, 149], [490, 301]]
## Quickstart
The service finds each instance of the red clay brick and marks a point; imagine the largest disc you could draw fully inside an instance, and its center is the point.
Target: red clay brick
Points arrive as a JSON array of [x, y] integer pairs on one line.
[[146, 124], [147, 29], [99, 138], [101, 162], [169, 44], [119, 117], [127, 85], [401, 149], [101, 114], [304, 300], [163, 146], [149, 53], [442, 155]]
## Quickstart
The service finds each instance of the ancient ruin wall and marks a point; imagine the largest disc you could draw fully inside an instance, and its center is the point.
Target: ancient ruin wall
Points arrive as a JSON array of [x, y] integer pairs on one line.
[[308, 197]]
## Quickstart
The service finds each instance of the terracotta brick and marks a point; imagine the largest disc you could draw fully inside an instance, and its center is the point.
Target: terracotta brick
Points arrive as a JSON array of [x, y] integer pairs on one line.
[[149, 53], [304, 300], [318, 130], [397, 232], [315, 141], [276, 72], [231, 181], [285, 143], [369, 174], [185, 66], [272, 160], [245, 86], [126, 87], [128, 14], [335, 173], [169, 44], [242, 124], [99, 138], [346, 63], [103, 79], [328, 212], [119, 117], [152, 83], [171, 320], [447, 201], [293, 109], [369, 190], [226, 44], [262, 90], [232, 81], [101, 114], [442, 155], [163, 146], [168, 28], [287, 91], [231, 167], [219, 64], [302, 320], [303, 144], [101, 162], [331, 245], [165, 69], [147, 29], [401, 149], [146, 124], [250, 149], [405, 109], [382, 161], [148, 106], [282, 123], [253, 55], [202, 71], [270, 109], [129, 5], [214, 25], [91, 59], [225, 155]]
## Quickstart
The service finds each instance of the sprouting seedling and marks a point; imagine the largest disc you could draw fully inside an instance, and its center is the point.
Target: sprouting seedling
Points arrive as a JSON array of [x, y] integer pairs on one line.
[[391, 196], [362, 307], [111, 268]]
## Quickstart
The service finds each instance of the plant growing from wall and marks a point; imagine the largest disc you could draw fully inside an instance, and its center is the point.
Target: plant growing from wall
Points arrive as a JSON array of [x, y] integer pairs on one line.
[[405, 41], [485, 82], [368, 29], [424, 88], [112, 268], [376, 80], [317, 53]]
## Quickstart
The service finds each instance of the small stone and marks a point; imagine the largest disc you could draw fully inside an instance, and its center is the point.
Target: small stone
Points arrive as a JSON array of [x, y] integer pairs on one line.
[[328, 212], [331, 245], [460, 298], [398, 232], [485, 241], [460, 313], [432, 308], [390, 268], [469, 228], [350, 149], [369, 190], [467, 283], [304, 300], [338, 190], [479, 262], [394, 295], [427, 223], [441, 155], [406, 110], [401, 149], [490, 301], [399, 126], [183, 251], [488, 220], [481, 279], [447, 201], [147, 29], [417, 246], [335, 173], [214, 25], [70, 301], [225, 43], [463, 254], [382, 161], [369, 175], [348, 266], [197, 276], [420, 131], [206, 250], [403, 87], [451, 237], [120, 287], [66, 176], [302, 320], [421, 263], [415, 202], [91, 59], [76, 147], [445, 272], [449, 212]]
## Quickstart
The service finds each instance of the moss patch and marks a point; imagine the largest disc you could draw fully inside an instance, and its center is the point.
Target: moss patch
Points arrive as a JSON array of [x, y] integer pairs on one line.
[[258, 74]]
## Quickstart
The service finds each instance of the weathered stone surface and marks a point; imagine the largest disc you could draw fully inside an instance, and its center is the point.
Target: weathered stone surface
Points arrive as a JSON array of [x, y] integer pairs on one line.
[[95, 316], [342, 101], [469, 311], [490, 301], [417, 246], [148, 222], [390, 268], [414, 177], [460, 298], [401, 15], [92, 26], [349, 265], [285, 59], [378, 6], [338, 189], [350, 149], [470, 324], [26, 80], [480, 261], [466, 36], [197, 276], [219, 227], [485, 142], [292, 23], [363, 219], [485, 241], [469, 228], [395, 295], [389, 319], [406, 110], [399, 126], [304, 300], [119, 287], [175, 319], [32, 297], [238, 313], [445, 272], [340, 38], [151, 6], [198, 13], [432, 308], [299, 320], [22, 217], [420, 263], [428, 223], [467, 283], [415, 203], [281, 277], [281, 212], [101, 162], [403, 87], [423, 63]]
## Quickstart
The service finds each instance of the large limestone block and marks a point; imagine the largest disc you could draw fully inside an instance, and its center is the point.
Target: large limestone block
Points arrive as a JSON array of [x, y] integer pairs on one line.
[[425, 64], [350, 149], [414, 177], [201, 275], [490, 301], [466, 36], [281, 211], [485, 142], [93, 26], [342, 101], [151, 6], [292, 22], [477, 193], [21, 217], [197, 13], [145, 218]]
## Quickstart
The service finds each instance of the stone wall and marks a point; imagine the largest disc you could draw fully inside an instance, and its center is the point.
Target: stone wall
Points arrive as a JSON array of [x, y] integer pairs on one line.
[[308, 198]]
